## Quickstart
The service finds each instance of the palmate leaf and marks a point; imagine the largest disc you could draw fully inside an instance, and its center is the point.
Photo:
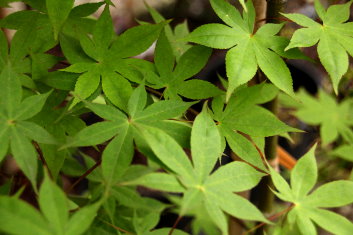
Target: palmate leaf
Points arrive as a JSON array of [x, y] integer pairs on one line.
[[243, 114], [307, 207], [330, 125], [334, 37], [108, 60], [174, 77], [17, 130], [121, 128], [214, 192], [247, 50]]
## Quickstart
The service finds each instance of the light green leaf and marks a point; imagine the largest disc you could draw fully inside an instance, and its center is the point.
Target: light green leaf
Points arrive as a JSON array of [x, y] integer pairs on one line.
[[242, 147], [117, 89], [338, 13], [302, 20], [334, 58], [58, 12], [215, 35], [306, 226], [191, 199], [344, 151], [162, 110], [205, 144], [107, 112], [25, 155], [158, 181], [54, 205], [304, 174], [18, 217], [275, 69], [35, 132], [305, 37], [258, 122], [281, 185], [217, 215], [235, 205], [331, 221], [169, 152], [96, 133], [228, 13], [31, 106], [81, 220], [198, 89], [79, 67], [86, 84], [241, 66], [117, 156], [333, 194], [234, 177], [320, 10], [137, 101]]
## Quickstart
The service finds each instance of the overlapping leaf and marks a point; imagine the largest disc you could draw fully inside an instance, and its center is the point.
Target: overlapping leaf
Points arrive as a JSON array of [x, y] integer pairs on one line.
[[16, 131], [248, 50], [173, 77], [215, 192], [308, 208], [335, 119], [180, 31], [18, 217], [242, 114], [122, 128], [107, 62], [334, 37]]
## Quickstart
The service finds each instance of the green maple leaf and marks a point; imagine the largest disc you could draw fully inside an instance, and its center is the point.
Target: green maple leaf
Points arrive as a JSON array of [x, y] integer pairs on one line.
[[54, 217], [16, 130], [108, 64], [180, 31], [215, 193], [334, 37], [344, 151], [309, 208], [122, 128], [242, 114], [173, 77], [247, 50], [334, 119]]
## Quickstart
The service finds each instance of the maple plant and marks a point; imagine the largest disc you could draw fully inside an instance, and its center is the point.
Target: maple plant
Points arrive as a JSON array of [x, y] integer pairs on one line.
[[107, 143]]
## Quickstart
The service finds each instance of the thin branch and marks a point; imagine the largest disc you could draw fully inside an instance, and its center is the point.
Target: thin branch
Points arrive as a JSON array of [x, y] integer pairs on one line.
[[116, 227], [175, 224], [89, 171]]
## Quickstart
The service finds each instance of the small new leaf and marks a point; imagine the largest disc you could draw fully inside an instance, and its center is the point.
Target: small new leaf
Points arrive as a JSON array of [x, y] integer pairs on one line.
[[334, 37]]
